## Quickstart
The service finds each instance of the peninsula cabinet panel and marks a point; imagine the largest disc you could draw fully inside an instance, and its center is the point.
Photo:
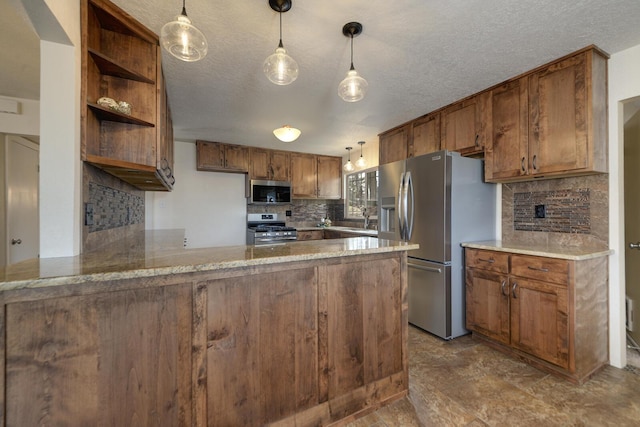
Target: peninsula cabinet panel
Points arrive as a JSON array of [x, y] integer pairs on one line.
[[394, 145], [568, 116], [425, 135], [507, 151], [262, 348], [118, 358]]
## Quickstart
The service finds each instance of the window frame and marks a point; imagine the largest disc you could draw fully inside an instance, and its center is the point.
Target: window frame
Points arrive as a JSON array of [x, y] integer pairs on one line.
[[374, 214]]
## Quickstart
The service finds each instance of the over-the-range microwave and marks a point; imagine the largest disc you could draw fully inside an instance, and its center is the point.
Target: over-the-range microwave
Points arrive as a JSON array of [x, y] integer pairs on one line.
[[269, 192]]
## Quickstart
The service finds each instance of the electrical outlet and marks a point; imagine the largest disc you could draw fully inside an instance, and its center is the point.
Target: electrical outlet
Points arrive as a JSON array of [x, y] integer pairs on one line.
[[288, 213], [88, 214], [541, 211]]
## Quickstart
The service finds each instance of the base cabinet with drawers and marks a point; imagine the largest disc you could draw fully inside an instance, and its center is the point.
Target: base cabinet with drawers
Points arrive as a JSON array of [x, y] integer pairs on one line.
[[548, 311]]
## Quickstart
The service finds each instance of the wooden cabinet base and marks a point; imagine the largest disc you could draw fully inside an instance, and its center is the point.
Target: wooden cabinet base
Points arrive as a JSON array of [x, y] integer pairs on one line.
[[304, 343]]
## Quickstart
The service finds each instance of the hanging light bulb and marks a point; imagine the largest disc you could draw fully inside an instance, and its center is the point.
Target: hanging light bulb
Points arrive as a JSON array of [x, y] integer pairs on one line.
[[279, 67], [348, 167], [182, 40], [353, 88], [361, 163], [286, 133]]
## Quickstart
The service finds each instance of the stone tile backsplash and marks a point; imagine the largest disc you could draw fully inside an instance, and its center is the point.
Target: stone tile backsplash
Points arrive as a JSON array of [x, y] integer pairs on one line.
[[114, 208], [567, 211]]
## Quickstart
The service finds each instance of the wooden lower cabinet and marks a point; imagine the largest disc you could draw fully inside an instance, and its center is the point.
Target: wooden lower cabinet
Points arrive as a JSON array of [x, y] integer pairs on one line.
[[308, 343], [550, 312]]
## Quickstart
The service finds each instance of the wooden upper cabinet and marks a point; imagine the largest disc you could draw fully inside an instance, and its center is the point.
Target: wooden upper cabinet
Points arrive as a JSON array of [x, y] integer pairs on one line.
[[394, 145], [216, 156], [425, 135], [304, 176], [568, 122], [121, 60], [270, 165], [506, 152], [464, 125], [329, 177]]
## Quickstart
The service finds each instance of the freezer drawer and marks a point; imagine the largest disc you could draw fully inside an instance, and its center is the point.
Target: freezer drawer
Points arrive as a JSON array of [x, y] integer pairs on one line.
[[430, 297]]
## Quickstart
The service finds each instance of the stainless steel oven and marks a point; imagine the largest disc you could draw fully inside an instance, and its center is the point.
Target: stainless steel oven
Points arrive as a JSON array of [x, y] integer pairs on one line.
[[268, 229]]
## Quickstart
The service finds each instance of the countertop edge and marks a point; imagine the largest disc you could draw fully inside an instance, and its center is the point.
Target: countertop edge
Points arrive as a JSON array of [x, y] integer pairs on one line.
[[539, 251]]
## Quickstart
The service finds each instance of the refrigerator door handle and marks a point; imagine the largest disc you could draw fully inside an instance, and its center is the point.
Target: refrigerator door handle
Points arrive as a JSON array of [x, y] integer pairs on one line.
[[400, 214], [430, 269], [409, 215]]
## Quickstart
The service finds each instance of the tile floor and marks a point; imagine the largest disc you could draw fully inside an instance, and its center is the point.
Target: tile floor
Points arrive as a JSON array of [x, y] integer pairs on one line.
[[465, 383]]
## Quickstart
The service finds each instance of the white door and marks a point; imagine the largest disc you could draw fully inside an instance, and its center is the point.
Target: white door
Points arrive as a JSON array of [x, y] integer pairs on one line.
[[23, 236]]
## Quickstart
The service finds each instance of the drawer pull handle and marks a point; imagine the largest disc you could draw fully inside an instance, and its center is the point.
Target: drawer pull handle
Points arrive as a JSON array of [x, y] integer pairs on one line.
[[504, 282], [544, 270], [513, 291], [490, 261]]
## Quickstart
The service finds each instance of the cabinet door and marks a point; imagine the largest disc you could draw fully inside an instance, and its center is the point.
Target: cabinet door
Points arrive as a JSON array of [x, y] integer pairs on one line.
[[506, 152], [304, 176], [236, 158], [279, 166], [119, 358], [394, 145], [260, 168], [425, 135], [464, 124], [558, 130], [539, 320], [209, 156], [487, 304], [329, 177]]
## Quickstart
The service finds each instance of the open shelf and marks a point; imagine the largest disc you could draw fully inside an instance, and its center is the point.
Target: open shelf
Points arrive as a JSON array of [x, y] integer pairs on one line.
[[106, 114], [110, 67]]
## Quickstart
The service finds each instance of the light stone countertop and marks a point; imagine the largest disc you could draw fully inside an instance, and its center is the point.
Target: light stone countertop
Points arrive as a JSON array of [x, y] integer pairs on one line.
[[575, 253], [157, 253]]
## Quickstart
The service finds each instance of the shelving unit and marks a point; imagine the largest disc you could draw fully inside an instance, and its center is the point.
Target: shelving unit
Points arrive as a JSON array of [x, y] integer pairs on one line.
[[121, 60]]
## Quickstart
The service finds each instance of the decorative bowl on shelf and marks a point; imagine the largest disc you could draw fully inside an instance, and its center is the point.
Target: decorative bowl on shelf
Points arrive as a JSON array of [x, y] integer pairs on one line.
[[109, 103]]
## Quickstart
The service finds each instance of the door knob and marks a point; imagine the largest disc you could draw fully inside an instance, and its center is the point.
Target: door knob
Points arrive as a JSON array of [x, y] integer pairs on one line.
[[16, 241], [634, 245]]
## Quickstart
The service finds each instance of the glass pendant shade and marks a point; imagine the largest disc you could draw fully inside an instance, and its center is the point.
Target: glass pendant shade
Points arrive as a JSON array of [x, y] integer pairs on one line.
[[182, 40], [286, 133], [349, 167], [353, 88], [280, 68], [361, 163]]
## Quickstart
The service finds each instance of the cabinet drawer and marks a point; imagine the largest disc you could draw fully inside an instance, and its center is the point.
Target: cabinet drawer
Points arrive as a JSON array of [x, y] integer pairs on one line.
[[540, 268], [487, 260]]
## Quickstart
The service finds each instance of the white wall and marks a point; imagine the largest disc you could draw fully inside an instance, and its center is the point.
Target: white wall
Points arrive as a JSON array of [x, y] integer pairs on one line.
[[209, 206], [25, 123], [624, 83]]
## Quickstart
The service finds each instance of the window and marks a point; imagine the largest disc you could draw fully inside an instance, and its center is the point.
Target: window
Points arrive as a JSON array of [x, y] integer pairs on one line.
[[361, 191]]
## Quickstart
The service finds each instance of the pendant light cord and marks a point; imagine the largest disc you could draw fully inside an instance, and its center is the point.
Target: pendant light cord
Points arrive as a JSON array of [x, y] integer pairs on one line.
[[280, 13], [352, 67], [184, 9]]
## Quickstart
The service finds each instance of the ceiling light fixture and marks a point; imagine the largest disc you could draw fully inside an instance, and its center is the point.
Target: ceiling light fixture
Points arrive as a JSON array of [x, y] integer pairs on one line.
[[361, 163], [353, 88], [182, 40], [348, 167], [279, 67], [286, 133]]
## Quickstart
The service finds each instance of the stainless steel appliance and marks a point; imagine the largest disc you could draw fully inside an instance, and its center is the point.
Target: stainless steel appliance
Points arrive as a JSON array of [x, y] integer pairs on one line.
[[269, 192], [437, 200], [268, 228]]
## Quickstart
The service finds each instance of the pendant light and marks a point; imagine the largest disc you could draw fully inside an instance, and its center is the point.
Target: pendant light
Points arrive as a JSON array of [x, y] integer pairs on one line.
[[286, 133], [348, 167], [279, 67], [361, 163], [353, 88], [182, 40]]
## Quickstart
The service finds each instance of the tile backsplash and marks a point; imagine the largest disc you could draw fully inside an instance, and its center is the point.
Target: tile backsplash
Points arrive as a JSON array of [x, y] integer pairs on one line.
[[566, 211]]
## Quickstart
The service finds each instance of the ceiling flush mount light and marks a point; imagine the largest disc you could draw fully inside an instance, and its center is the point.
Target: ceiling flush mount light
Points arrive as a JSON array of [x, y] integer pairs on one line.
[[353, 88], [182, 40], [286, 133], [348, 167], [279, 67], [361, 162]]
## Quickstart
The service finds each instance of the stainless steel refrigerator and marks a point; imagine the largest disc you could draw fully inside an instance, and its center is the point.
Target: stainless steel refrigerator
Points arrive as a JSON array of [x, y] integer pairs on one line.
[[437, 200]]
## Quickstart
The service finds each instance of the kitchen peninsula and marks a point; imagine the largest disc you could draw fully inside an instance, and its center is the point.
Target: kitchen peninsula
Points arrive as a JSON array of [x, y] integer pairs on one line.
[[145, 332]]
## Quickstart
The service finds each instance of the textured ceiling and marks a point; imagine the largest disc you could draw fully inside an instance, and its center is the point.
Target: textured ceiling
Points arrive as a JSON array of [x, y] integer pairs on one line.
[[417, 55]]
